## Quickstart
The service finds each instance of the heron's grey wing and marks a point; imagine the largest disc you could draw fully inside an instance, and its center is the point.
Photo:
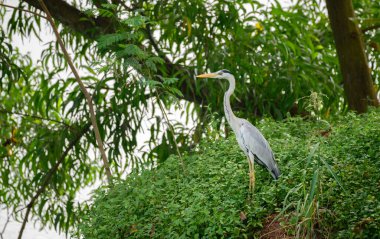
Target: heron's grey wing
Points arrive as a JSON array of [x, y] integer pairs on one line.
[[257, 145]]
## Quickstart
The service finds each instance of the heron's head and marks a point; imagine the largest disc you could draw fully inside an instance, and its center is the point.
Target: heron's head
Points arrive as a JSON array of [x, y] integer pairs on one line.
[[222, 74]]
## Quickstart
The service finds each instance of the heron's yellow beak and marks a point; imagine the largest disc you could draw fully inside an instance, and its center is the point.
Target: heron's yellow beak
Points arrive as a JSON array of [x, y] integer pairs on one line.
[[208, 75]]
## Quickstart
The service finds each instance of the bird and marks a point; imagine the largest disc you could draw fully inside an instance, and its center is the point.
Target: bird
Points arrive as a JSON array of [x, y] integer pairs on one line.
[[249, 138]]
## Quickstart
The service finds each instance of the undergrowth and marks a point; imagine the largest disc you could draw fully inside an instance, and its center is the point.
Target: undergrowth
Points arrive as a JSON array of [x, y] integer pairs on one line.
[[329, 187]]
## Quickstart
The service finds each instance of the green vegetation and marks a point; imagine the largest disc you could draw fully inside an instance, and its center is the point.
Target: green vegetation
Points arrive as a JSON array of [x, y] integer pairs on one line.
[[138, 59], [328, 188]]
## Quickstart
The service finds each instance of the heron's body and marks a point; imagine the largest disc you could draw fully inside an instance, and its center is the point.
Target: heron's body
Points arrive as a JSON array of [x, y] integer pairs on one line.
[[259, 150], [250, 139]]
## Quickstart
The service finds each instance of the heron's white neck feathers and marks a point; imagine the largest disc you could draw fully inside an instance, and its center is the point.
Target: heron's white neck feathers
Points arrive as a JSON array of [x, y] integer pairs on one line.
[[230, 116]]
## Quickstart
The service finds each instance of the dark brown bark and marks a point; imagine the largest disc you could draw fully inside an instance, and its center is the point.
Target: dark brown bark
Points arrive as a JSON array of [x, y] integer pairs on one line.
[[358, 85], [75, 19]]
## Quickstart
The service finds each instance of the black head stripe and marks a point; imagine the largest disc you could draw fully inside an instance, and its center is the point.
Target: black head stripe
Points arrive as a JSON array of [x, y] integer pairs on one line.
[[225, 71]]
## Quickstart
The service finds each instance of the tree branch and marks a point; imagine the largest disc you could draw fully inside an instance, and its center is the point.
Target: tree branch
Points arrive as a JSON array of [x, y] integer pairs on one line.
[[364, 30], [49, 175], [171, 128], [153, 42], [34, 116], [5, 224], [84, 91], [91, 28], [78, 21], [22, 9]]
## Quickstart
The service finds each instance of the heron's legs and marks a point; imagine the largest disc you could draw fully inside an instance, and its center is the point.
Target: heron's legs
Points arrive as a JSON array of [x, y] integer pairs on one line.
[[250, 174], [253, 175]]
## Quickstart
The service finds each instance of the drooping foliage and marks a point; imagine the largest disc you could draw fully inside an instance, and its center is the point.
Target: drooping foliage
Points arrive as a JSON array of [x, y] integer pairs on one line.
[[133, 56], [368, 17], [326, 172]]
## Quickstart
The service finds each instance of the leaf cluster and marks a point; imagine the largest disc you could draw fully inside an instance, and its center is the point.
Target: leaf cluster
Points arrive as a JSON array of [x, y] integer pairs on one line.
[[330, 175]]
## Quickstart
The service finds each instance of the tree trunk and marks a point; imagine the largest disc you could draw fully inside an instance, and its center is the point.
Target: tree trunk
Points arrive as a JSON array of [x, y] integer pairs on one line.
[[358, 85]]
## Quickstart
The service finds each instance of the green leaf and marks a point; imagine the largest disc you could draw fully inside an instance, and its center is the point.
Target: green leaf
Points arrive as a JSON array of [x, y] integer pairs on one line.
[[136, 21]]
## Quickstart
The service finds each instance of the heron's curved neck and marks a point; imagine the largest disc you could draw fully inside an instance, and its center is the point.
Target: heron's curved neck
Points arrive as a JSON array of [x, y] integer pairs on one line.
[[231, 118]]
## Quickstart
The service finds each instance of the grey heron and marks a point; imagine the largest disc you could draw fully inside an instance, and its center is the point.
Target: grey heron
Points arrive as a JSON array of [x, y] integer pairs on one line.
[[249, 138]]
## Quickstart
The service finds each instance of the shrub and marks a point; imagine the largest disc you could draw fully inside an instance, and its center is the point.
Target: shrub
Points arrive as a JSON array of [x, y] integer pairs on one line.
[[328, 187]]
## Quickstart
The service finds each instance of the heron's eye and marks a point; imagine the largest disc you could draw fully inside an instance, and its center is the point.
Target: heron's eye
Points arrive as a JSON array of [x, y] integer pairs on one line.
[[220, 73]]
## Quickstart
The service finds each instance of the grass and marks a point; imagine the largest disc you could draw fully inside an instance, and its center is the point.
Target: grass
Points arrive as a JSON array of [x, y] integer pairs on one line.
[[328, 188]]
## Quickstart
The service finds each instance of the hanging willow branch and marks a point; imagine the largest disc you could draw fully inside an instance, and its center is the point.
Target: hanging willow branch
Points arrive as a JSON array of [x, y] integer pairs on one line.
[[72, 143], [49, 175], [84, 91]]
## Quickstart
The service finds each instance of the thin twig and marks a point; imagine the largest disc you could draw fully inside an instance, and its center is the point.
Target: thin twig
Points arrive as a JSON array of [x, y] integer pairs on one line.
[[24, 10], [84, 91], [19, 210], [171, 128], [154, 43], [34, 117], [49, 175], [5, 224]]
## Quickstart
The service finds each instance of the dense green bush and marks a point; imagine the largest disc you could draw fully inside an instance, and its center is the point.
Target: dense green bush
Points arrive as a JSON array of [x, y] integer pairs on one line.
[[329, 187]]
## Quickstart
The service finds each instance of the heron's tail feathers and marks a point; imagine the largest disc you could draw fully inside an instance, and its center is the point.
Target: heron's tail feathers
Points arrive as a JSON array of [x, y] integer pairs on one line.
[[275, 171], [271, 166]]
